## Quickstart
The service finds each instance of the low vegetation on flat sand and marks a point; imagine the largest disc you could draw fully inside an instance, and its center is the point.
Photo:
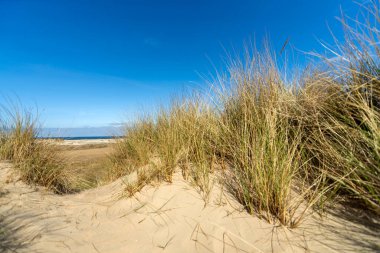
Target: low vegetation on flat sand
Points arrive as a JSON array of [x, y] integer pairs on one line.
[[282, 147], [86, 165]]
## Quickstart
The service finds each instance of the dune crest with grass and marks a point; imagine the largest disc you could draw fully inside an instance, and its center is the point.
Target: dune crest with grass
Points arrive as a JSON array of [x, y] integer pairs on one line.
[[260, 163]]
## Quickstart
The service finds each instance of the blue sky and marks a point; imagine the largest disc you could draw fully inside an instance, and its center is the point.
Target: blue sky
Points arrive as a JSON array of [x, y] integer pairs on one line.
[[91, 63]]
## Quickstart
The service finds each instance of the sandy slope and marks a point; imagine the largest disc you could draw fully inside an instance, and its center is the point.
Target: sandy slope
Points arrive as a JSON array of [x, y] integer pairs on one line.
[[170, 218]]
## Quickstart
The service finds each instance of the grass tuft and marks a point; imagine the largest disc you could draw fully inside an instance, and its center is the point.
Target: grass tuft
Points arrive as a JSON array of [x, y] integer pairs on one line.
[[37, 161]]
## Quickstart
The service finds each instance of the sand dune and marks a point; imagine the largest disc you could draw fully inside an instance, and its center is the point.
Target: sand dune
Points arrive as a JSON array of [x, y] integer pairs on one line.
[[169, 218]]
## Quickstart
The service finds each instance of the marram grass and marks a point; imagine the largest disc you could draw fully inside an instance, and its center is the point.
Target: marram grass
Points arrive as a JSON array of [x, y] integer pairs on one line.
[[285, 146], [36, 161], [280, 147]]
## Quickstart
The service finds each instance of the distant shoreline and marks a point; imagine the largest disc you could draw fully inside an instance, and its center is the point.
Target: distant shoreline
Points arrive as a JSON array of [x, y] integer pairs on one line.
[[82, 138]]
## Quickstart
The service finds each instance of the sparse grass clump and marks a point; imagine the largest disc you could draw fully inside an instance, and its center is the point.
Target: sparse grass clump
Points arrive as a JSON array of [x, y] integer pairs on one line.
[[285, 146], [133, 151], [36, 161], [179, 137]]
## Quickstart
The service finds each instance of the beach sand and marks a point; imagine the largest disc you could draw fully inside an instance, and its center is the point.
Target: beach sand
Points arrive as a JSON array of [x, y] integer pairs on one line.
[[165, 218], [84, 142]]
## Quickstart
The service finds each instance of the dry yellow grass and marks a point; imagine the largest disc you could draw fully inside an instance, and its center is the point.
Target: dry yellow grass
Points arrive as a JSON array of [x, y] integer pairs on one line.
[[86, 165], [36, 161], [284, 146]]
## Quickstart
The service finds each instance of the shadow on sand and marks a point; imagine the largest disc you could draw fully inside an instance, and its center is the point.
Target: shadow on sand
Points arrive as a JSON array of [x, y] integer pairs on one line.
[[360, 227], [350, 229], [14, 236]]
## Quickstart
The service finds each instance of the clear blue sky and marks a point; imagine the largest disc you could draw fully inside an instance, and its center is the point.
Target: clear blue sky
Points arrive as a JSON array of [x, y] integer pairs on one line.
[[95, 63]]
